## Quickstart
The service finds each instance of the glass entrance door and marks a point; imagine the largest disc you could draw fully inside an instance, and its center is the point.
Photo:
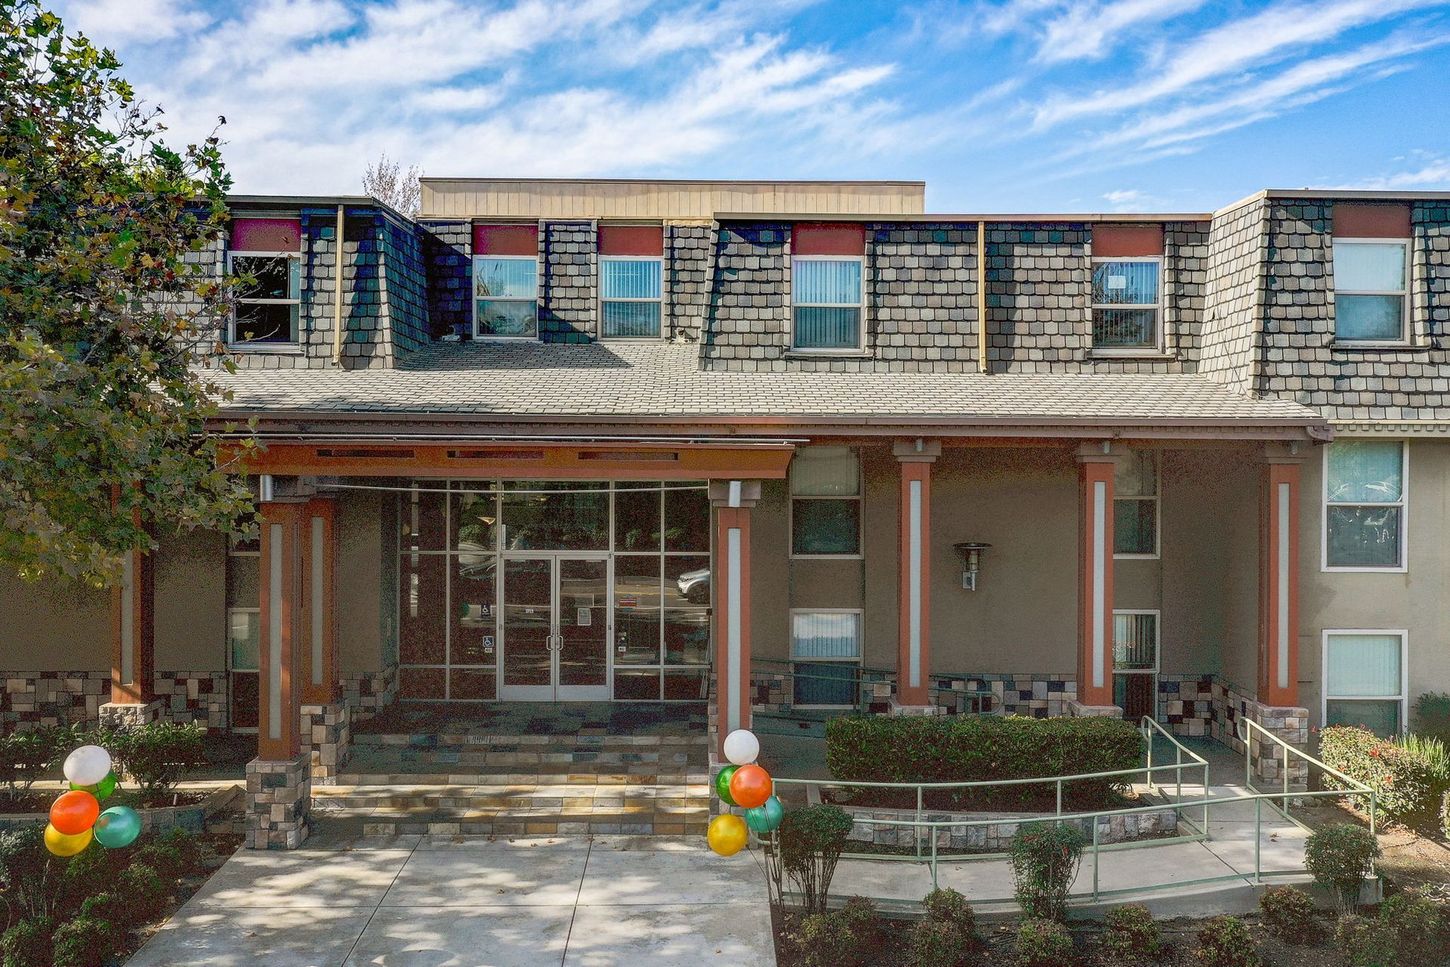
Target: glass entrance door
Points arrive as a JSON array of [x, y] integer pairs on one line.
[[555, 628]]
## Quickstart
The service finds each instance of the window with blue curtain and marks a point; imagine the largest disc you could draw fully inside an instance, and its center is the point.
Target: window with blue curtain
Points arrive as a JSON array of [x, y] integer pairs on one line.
[[1364, 681], [506, 296], [1364, 503], [1126, 303], [630, 297], [1369, 291], [826, 302], [825, 650]]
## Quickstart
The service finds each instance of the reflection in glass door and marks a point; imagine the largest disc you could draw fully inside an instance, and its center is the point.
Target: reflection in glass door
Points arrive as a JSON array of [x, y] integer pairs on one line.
[[555, 629]]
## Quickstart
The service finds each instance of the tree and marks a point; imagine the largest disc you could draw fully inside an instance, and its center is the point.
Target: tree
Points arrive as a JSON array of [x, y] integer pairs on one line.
[[108, 302], [389, 183]]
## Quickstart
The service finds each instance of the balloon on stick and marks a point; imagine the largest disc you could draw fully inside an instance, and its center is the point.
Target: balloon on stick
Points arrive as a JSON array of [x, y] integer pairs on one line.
[[766, 817], [117, 827], [722, 785], [61, 844], [727, 834], [742, 747], [87, 766], [74, 812], [750, 786]]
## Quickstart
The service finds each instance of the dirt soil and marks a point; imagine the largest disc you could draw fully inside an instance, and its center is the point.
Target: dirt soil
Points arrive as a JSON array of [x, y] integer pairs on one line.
[[1410, 859]]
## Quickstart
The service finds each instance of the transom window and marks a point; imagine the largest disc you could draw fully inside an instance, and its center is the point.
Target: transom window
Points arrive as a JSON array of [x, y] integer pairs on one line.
[[1135, 505], [1364, 680], [506, 296], [825, 487], [1127, 303], [269, 299], [825, 651], [1371, 298], [630, 296], [1364, 504]]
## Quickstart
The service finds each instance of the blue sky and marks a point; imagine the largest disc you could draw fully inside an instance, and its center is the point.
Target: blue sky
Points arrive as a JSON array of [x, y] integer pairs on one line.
[[1012, 105]]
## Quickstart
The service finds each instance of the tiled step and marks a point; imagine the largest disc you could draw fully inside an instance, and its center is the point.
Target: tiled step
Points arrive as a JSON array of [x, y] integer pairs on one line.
[[556, 761], [503, 742]]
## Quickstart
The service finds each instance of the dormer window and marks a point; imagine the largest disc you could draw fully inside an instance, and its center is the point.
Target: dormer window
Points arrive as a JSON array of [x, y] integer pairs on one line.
[[1371, 273], [827, 299], [631, 281], [266, 253], [1127, 303], [505, 281]]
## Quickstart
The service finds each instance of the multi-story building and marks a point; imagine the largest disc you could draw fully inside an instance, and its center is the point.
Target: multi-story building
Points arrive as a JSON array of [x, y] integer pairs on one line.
[[803, 444]]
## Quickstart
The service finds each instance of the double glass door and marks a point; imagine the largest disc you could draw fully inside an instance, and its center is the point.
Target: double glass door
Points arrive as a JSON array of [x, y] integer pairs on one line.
[[555, 628]]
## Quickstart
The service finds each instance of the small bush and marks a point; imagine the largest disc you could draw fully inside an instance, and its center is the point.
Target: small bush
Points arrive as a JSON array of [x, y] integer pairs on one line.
[[187, 844], [84, 942], [1225, 942], [26, 755], [107, 906], [1132, 935], [1339, 857], [1409, 931], [949, 906], [1408, 778], [156, 755], [27, 943], [165, 860], [1043, 943], [1045, 858], [1432, 715], [1288, 914], [86, 873], [1445, 815], [811, 842], [936, 943], [28, 876], [145, 892], [848, 937]]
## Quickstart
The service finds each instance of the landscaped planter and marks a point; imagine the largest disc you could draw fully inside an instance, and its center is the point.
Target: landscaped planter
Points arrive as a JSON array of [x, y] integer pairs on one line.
[[997, 835], [192, 818]]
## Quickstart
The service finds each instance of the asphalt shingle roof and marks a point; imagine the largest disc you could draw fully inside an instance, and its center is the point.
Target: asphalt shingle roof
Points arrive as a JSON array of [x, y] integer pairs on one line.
[[588, 382]]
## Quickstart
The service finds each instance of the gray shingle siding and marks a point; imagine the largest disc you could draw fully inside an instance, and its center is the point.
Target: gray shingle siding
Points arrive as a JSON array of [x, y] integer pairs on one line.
[[1229, 345], [448, 258], [689, 276], [404, 288], [568, 283]]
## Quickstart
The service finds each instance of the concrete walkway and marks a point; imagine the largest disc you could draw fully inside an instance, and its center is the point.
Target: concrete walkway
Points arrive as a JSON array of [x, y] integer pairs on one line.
[[474, 902]]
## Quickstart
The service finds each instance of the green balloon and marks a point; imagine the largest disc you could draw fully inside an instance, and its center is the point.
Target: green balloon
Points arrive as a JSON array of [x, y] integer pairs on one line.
[[102, 789], [117, 827], [722, 785], [765, 818]]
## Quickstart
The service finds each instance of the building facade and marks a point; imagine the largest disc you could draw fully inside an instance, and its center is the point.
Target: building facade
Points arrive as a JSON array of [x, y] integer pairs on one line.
[[801, 445]]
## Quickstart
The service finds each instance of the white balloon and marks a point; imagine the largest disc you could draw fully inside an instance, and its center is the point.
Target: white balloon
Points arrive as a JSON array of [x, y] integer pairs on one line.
[[87, 765], [742, 747]]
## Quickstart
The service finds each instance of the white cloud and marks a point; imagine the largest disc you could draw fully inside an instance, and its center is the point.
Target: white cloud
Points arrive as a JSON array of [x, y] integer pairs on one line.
[[1091, 30], [1429, 172], [111, 22]]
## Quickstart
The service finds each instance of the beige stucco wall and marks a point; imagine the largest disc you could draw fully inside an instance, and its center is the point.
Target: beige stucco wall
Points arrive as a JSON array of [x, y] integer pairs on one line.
[[360, 556], [191, 602], [53, 624]]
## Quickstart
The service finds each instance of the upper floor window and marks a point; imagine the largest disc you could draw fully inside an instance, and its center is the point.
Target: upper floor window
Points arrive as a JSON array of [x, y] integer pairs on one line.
[[1135, 505], [1364, 504], [505, 281], [631, 281], [265, 252], [1127, 304], [827, 268], [825, 507], [1371, 272]]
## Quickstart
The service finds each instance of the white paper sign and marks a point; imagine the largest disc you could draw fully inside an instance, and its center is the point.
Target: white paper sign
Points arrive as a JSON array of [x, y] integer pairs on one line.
[[1117, 282], [585, 617]]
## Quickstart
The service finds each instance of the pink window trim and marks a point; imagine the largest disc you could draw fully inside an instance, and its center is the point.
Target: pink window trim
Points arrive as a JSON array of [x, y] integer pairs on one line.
[[639, 240], [828, 239], [266, 235], [506, 240]]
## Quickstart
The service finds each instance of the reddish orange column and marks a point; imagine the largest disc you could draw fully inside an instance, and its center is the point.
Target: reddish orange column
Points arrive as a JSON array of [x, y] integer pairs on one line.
[[282, 632], [1279, 581], [133, 631], [730, 577], [913, 653], [1095, 569], [319, 601]]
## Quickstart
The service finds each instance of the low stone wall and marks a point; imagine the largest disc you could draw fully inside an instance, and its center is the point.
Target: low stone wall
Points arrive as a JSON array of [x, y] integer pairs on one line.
[[997, 835], [194, 818]]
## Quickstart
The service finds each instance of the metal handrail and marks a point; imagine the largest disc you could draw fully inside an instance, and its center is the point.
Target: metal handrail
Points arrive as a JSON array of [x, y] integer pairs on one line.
[[1246, 727], [864, 679], [1149, 725]]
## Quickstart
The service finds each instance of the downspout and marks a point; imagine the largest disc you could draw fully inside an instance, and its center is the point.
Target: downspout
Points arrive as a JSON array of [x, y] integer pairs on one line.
[[982, 298], [337, 294]]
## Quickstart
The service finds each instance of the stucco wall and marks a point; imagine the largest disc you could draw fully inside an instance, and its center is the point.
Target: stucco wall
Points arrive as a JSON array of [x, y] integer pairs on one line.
[[191, 601], [53, 623], [359, 577]]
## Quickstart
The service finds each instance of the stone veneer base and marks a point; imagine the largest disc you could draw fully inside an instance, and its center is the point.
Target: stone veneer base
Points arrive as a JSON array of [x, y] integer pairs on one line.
[[279, 802], [123, 715], [997, 836]]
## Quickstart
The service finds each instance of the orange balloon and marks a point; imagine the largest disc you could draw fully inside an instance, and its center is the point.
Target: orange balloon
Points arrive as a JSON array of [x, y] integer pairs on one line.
[[750, 786], [74, 812]]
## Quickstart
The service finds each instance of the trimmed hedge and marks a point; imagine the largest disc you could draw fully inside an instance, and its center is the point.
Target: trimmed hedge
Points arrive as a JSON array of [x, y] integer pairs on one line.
[[1409, 783], [972, 748]]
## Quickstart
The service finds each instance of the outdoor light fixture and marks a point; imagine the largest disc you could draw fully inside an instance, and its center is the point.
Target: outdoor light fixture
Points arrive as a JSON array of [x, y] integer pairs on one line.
[[971, 553]]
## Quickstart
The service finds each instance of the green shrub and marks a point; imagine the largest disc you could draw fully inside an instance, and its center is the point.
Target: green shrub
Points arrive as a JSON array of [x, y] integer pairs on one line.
[[86, 873], [937, 943], [1432, 715], [156, 755], [1225, 942], [1132, 935], [1288, 914], [27, 943], [811, 841], [1409, 779], [1339, 858], [1043, 943], [165, 860], [84, 942], [145, 891], [968, 748], [187, 844], [949, 906], [107, 906], [1045, 858], [1445, 815], [848, 937], [26, 755], [1409, 931], [28, 876]]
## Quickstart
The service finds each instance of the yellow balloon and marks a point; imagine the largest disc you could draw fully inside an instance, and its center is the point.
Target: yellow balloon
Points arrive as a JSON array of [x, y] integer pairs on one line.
[[62, 845], [728, 834]]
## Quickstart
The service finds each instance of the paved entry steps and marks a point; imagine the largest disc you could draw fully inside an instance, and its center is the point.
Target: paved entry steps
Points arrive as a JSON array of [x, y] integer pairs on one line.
[[523, 768]]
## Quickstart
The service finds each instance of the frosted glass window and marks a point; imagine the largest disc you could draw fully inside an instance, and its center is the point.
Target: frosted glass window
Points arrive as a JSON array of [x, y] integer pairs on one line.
[[1135, 505], [1365, 498], [1126, 303], [825, 472], [629, 297], [826, 502], [1364, 681], [825, 650], [826, 297], [1370, 283]]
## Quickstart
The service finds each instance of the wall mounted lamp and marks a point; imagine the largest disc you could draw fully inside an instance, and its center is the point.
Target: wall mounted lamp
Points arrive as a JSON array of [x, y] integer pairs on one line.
[[971, 554]]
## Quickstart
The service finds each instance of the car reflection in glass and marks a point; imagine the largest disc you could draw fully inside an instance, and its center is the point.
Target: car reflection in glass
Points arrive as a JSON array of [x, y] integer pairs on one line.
[[695, 586]]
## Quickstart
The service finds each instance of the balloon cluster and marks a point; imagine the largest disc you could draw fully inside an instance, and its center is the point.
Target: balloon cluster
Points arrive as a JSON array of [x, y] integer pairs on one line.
[[76, 817], [747, 785]]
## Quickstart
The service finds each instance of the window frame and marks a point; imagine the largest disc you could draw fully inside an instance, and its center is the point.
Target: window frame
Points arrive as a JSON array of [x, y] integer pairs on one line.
[[1403, 698], [860, 306], [1157, 499], [1403, 504], [860, 614], [659, 301], [475, 299], [291, 345], [1405, 329], [1157, 307], [860, 498]]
